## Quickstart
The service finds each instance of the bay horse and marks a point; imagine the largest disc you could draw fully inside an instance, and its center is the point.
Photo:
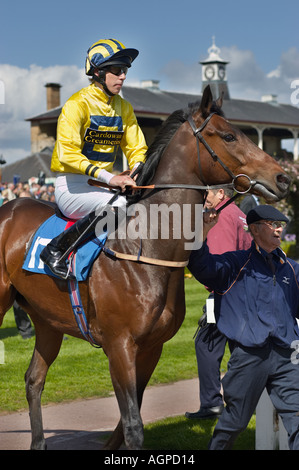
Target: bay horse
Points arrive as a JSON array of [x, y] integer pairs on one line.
[[132, 308]]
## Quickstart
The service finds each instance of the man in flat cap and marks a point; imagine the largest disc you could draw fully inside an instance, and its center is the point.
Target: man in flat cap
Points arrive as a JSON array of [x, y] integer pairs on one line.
[[256, 307]]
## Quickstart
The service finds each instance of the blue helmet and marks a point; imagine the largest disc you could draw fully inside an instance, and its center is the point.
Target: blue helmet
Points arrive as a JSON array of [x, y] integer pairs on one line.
[[107, 52]]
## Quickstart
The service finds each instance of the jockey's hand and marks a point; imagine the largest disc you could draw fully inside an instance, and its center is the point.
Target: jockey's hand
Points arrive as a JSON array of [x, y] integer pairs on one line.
[[122, 181]]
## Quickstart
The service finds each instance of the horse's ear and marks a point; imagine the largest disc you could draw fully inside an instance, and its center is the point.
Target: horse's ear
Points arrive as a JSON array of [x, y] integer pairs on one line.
[[219, 100], [206, 102]]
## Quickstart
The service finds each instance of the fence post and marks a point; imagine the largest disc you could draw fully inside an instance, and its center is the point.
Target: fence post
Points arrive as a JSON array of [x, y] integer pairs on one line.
[[2, 355], [270, 433]]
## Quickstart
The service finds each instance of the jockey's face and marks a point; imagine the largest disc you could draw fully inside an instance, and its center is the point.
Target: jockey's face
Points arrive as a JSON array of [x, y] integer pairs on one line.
[[114, 82]]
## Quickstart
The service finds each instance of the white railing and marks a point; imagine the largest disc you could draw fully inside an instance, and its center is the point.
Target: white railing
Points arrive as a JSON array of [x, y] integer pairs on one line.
[[270, 433]]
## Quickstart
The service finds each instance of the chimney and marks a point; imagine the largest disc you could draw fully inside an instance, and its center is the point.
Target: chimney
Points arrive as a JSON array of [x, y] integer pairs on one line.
[[270, 99], [150, 84], [53, 95]]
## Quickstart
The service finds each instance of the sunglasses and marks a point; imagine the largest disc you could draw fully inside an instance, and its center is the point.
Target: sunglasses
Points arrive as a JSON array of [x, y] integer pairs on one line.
[[274, 225], [117, 70]]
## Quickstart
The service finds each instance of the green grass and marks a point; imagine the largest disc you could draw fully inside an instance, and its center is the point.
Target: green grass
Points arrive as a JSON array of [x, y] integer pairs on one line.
[[180, 433]]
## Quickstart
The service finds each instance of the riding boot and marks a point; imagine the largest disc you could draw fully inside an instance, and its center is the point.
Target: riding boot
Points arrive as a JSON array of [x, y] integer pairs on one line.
[[55, 254]]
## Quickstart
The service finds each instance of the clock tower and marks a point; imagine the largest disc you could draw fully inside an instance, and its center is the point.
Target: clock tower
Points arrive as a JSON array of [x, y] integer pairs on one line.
[[214, 73]]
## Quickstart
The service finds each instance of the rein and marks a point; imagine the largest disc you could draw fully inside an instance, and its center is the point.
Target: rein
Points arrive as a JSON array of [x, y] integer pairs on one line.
[[164, 186]]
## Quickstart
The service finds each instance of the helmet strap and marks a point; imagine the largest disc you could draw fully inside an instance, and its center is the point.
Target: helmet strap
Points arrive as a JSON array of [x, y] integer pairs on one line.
[[101, 79]]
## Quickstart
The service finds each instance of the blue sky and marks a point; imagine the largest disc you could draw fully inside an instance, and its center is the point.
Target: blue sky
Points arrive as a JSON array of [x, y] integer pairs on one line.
[[47, 41], [60, 32]]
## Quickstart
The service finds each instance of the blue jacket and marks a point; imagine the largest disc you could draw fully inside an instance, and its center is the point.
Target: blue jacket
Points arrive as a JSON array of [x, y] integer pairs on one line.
[[251, 304]]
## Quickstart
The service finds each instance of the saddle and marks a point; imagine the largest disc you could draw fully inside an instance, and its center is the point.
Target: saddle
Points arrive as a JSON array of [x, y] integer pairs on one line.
[[81, 260]]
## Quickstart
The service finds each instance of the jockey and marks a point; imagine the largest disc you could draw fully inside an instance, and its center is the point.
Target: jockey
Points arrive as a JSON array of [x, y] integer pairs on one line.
[[92, 125]]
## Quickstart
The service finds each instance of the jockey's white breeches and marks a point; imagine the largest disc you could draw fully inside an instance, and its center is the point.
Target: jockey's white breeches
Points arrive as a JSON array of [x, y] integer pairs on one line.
[[76, 198]]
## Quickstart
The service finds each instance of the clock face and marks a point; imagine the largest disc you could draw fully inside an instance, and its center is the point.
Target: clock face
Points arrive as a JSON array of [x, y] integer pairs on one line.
[[209, 72], [221, 72]]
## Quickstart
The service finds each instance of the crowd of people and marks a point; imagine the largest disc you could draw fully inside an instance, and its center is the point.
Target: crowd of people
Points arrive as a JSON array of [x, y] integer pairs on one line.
[[33, 189]]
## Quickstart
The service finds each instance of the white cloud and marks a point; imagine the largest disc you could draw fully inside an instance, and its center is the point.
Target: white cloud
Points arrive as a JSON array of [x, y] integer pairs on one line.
[[289, 64], [24, 97], [275, 73], [246, 78]]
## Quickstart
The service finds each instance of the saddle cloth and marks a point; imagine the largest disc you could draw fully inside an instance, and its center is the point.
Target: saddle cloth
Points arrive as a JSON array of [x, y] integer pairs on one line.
[[81, 261]]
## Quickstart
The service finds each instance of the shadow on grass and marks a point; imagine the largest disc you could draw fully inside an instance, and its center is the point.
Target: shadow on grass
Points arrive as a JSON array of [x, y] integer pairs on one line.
[[182, 434], [8, 332]]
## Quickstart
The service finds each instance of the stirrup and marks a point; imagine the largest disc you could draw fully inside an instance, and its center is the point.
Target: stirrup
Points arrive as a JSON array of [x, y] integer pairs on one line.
[[52, 266], [69, 276]]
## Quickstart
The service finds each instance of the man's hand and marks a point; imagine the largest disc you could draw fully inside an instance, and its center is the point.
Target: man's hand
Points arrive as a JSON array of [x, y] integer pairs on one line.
[[210, 219]]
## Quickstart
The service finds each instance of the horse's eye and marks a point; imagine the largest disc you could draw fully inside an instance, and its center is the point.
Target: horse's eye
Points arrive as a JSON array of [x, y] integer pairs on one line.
[[229, 138]]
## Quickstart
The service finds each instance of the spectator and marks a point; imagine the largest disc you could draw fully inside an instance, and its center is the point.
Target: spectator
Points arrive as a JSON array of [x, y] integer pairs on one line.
[[250, 201], [25, 193], [22, 321]]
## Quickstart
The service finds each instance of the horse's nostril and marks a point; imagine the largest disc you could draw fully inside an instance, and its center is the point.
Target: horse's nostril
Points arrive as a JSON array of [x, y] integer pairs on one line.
[[283, 181]]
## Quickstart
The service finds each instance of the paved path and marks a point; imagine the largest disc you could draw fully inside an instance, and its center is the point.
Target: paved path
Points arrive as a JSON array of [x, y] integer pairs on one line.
[[81, 425]]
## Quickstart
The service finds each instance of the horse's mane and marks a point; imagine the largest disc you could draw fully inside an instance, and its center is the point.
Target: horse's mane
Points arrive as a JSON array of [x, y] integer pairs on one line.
[[156, 149]]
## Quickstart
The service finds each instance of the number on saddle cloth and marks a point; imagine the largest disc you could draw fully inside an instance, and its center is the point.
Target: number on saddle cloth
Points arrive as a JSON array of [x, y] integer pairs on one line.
[[51, 228]]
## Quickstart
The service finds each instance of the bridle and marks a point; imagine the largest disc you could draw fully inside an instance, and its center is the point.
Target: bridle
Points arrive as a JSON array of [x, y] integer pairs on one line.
[[200, 139]]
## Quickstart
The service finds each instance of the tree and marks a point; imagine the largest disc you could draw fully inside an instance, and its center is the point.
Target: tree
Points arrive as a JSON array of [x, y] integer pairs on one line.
[[290, 205]]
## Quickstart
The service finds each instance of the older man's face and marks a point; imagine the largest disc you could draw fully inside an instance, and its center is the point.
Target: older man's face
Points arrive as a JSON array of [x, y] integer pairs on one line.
[[266, 235]]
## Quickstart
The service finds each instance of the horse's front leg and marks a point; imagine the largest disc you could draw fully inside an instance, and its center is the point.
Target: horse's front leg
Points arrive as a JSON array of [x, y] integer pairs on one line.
[[145, 362], [122, 364], [46, 349]]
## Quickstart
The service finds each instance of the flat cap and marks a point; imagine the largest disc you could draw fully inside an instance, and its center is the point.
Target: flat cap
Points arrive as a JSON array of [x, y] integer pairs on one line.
[[265, 212]]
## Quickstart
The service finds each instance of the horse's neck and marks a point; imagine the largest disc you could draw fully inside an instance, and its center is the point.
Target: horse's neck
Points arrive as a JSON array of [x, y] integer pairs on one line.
[[167, 218], [163, 224]]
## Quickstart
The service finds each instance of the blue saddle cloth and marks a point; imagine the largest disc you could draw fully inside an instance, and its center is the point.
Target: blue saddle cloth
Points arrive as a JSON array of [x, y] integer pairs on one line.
[[82, 260]]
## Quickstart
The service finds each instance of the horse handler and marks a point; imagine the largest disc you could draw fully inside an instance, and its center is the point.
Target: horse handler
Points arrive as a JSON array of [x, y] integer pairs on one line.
[[256, 306]]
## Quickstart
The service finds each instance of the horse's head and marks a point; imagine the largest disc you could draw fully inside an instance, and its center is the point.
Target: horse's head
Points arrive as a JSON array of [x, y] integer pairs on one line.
[[224, 152]]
